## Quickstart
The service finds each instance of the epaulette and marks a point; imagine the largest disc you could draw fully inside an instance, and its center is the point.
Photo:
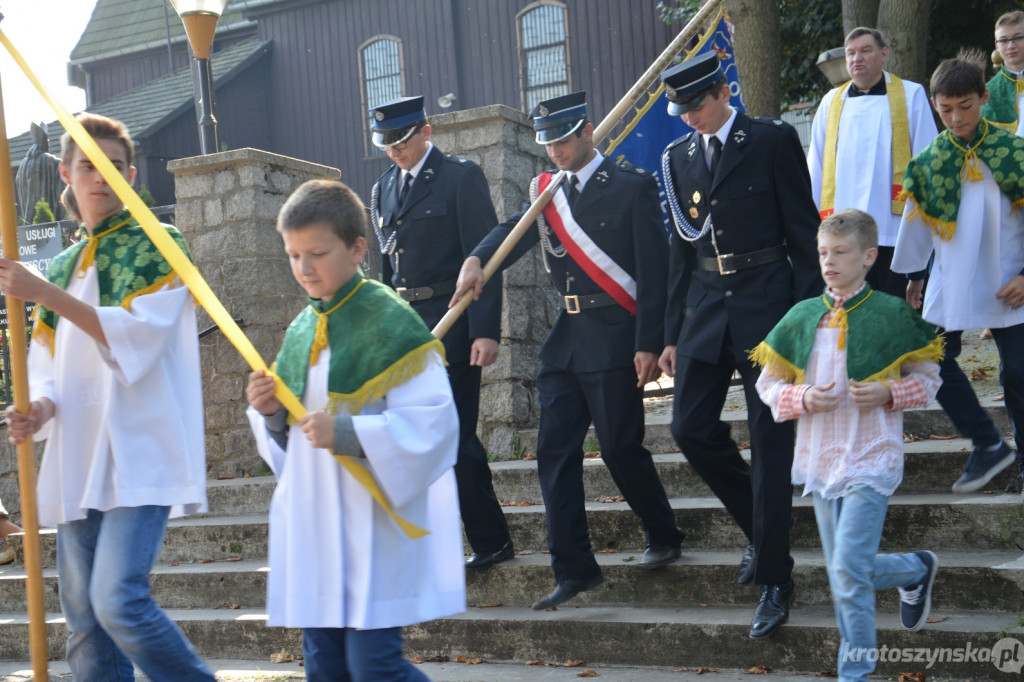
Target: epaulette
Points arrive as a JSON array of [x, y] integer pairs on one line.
[[456, 159], [382, 175], [680, 140], [768, 120], [627, 166]]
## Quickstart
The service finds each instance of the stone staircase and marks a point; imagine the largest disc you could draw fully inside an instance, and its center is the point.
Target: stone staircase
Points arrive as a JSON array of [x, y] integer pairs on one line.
[[212, 578]]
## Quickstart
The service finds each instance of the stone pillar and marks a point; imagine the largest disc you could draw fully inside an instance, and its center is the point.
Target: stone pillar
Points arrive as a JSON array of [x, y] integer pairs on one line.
[[501, 141], [227, 206]]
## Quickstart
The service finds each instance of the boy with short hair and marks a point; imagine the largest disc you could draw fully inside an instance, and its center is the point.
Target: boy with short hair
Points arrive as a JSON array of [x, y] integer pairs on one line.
[[849, 436], [1006, 87], [965, 191], [374, 382], [117, 392]]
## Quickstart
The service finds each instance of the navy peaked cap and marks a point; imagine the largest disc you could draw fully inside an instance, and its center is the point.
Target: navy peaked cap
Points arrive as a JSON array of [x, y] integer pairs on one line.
[[688, 83], [557, 118], [395, 121]]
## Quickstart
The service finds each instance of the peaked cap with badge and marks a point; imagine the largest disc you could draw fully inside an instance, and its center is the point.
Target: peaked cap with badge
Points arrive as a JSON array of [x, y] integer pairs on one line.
[[557, 118], [688, 83], [395, 121]]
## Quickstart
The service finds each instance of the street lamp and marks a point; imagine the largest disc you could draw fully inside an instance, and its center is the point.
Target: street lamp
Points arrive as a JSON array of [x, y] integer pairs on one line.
[[833, 64], [200, 19]]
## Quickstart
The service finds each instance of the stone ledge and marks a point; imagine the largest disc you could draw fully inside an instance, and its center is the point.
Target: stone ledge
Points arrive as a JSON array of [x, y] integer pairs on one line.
[[247, 155]]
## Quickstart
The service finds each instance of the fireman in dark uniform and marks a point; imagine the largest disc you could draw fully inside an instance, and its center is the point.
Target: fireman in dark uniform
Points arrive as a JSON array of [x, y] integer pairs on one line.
[[742, 252], [429, 210]]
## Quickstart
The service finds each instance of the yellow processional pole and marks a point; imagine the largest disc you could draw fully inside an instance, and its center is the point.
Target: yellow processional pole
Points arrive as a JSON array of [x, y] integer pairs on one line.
[[602, 130], [26, 451]]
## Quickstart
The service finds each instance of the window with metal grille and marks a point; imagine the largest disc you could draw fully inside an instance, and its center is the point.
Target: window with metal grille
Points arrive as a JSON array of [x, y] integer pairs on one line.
[[381, 64], [543, 53]]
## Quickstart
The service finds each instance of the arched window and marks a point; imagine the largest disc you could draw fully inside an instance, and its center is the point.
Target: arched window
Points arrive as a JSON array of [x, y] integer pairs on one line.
[[543, 52], [380, 61]]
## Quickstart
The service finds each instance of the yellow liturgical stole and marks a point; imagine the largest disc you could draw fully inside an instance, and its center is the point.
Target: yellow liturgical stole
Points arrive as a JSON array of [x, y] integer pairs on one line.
[[901, 155]]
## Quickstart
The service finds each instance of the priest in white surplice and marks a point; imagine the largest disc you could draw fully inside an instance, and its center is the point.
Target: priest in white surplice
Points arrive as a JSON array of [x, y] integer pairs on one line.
[[864, 134], [373, 381]]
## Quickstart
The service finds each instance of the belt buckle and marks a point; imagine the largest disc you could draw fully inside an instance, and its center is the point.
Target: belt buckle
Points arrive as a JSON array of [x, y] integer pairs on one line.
[[572, 304], [721, 269], [401, 291]]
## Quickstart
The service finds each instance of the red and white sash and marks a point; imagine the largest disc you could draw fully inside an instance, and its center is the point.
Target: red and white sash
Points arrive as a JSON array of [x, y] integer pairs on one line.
[[598, 265]]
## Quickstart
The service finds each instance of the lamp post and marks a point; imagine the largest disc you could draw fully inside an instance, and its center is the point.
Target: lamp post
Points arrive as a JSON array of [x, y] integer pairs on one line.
[[200, 20], [833, 64]]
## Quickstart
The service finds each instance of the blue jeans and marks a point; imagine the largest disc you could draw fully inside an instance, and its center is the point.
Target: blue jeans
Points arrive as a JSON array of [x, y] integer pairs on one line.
[[851, 530], [350, 655], [103, 564]]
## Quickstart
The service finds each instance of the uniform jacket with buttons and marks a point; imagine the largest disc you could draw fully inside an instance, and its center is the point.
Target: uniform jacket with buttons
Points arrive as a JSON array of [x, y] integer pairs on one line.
[[618, 208], [760, 197], [447, 213]]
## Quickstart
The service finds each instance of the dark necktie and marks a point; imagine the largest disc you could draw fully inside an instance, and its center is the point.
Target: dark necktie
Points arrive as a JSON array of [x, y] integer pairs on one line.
[[574, 189], [406, 184], [716, 154]]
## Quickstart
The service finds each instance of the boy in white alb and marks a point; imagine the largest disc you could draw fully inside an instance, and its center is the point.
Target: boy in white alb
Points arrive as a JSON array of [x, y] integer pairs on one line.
[[374, 382], [117, 393], [965, 193], [845, 365]]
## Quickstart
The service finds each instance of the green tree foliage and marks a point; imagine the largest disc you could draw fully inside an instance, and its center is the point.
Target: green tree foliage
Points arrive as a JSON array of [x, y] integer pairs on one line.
[[43, 213], [146, 196]]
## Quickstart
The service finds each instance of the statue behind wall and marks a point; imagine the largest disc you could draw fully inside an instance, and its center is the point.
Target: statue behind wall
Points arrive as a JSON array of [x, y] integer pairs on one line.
[[39, 177]]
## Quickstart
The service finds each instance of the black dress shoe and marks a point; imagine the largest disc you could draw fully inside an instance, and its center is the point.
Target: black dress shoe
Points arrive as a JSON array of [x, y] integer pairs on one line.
[[747, 565], [564, 591], [656, 556], [481, 560], [773, 610]]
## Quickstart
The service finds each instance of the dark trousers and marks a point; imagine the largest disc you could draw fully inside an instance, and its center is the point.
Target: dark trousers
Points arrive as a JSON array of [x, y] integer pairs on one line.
[[958, 399], [882, 278], [759, 496], [569, 401], [482, 517], [1010, 343]]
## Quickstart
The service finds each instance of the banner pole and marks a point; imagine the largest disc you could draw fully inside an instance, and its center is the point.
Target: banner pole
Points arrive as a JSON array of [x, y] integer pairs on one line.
[[600, 132], [26, 451]]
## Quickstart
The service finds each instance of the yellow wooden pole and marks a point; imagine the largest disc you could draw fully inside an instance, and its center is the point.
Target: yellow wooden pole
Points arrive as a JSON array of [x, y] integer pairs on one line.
[[600, 132], [26, 454]]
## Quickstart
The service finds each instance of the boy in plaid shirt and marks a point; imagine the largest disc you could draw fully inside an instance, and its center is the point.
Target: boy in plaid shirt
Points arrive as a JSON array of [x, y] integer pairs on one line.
[[845, 365]]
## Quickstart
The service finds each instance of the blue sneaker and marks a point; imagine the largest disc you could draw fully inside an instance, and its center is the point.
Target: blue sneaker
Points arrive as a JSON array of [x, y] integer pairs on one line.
[[982, 466], [916, 601]]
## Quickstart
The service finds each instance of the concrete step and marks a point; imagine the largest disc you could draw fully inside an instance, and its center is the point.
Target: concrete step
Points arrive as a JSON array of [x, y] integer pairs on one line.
[[668, 637], [967, 580], [922, 423], [937, 521]]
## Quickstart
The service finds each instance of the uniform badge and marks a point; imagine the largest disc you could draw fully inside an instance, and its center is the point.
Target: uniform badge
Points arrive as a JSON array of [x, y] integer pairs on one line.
[[428, 173], [739, 136], [602, 176], [693, 212], [692, 150], [776, 121], [670, 91], [696, 197], [543, 111], [379, 115]]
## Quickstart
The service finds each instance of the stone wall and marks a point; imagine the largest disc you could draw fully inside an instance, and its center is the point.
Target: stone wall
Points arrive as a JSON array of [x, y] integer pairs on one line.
[[227, 206], [501, 141]]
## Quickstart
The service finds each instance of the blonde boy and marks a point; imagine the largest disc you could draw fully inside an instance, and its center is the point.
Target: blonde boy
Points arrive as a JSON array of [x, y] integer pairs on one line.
[[845, 365]]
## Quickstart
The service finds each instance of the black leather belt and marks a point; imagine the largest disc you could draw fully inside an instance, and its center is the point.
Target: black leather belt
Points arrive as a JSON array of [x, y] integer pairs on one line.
[[578, 302], [728, 263], [424, 293]]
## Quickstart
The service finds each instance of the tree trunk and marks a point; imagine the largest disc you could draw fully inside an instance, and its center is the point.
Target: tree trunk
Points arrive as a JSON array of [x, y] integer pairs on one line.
[[860, 13], [758, 53], [904, 23]]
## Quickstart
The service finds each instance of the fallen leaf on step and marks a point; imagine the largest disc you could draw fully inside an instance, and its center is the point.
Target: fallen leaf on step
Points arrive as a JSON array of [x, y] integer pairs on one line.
[[492, 605], [593, 454], [175, 563], [608, 550], [437, 659], [281, 656], [536, 663], [525, 552], [938, 619], [587, 673], [703, 606], [570, 663], [461, 658], [233, 558], [937, 437], [701, 670], [826, 673], [759, 670], [225, 477], [226, 605], [474, 661], [912, 677], [530, 457], [617, 498], [206, 561], [417, 659]]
